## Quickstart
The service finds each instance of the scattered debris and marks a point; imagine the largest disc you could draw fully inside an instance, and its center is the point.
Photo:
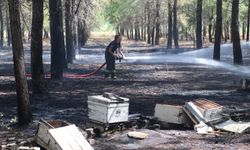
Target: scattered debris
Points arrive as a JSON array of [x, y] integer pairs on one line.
[[49, 136], [137, 135], [206, 115], [232, 126], [202, 128], [171, 114]]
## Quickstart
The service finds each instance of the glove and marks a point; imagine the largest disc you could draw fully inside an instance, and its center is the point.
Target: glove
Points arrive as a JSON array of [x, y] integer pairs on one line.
[[115, 56]]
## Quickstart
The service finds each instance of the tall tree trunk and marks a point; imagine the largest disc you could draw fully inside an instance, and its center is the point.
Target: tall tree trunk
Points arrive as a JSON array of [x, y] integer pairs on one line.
[[175, 29], [145, 21], [248, 20], [142, 29], [243, 29], [132, 32], [157, 25], [199, 24], [170, 25], [235, 32], [23, 107], [153, 36], [127, 33], [69, 35], [210, 26], [218, 30], [136, 31], [37, 47], [149, 24], [8, 28], [1, 25], [57, 40]]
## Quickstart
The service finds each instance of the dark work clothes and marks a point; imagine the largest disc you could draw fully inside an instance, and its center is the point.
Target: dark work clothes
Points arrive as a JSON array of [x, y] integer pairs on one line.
[[110, 60]]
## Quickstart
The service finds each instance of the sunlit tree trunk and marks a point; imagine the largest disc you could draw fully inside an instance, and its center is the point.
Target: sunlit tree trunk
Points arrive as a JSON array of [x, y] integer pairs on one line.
[[157, 25], [235, 33], [175, 28], [23, 103], [37, 46], [170, 25], [199, 24], [218, 30], [57, 40]]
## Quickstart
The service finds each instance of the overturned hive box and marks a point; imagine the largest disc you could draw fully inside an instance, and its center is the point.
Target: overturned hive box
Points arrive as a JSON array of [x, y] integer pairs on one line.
[[60, 135], [204, 110], [108, 110]]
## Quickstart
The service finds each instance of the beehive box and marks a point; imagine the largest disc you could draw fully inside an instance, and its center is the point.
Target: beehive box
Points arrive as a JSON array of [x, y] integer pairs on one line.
[[170, 114], [60, 135], [107, 110]]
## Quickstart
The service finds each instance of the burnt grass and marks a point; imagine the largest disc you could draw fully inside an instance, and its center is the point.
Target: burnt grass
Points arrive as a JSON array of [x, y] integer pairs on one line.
[[144, 84]]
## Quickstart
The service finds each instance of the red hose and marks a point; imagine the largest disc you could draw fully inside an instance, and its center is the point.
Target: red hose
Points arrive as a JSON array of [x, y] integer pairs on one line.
[[85, 75], [76, 75]]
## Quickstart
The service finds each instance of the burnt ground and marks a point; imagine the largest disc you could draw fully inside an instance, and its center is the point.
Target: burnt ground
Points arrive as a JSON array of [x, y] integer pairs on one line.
[[145, 85]]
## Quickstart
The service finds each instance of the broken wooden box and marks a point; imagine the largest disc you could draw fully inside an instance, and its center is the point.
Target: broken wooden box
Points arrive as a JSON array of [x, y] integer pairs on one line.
[[204, 110], [59, 135], [170, 114], [108, 108]]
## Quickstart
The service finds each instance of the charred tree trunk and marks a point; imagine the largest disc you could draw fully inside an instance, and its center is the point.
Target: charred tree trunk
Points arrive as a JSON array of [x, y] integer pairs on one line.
[[175, 29], [157, 24], [145, 21], [153, 36], [37, 47], [69, 35], [218, 30], [57, 40], [170, 26], [23, 107], [248, 20], [235, 33], [199, 24], [243, 29]]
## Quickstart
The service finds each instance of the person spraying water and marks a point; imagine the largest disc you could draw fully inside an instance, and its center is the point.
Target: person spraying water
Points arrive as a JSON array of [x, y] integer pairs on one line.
[[113, 51]]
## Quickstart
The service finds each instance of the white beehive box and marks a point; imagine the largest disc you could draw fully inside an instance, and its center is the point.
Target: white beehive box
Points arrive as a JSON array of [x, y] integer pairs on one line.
[[170, 114], [105, 110], [59, 135]]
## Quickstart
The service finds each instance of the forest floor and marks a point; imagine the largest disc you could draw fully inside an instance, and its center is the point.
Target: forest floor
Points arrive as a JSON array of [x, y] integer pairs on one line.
[[145, 83]]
